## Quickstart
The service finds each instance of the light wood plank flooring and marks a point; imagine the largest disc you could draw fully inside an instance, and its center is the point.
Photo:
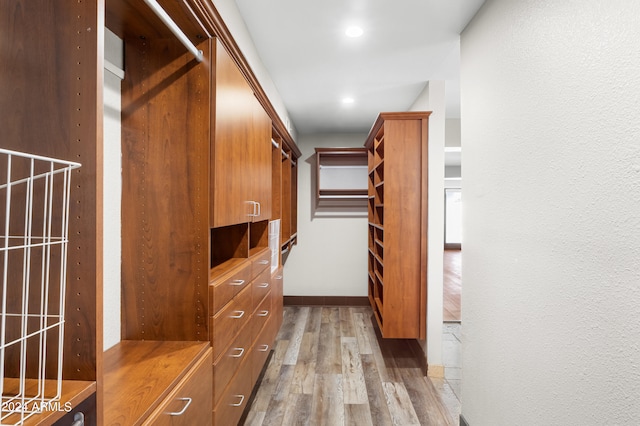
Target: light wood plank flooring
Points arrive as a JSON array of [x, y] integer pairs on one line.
[[452, 286], [330, 367]]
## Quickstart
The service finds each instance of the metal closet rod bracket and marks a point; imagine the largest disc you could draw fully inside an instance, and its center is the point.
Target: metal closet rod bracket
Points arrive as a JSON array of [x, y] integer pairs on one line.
[[175, 29]]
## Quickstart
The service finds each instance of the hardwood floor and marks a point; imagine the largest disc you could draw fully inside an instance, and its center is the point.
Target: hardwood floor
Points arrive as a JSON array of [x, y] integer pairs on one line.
[[330, 367], [452, 286]]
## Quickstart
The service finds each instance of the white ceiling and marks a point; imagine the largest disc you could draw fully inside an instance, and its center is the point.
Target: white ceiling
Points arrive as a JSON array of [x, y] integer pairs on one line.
[[314, 64]]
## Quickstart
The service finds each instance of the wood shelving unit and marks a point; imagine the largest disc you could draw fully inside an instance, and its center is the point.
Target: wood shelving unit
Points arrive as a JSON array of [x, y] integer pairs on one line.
[[289, 199], [397, 211], [341, 177]]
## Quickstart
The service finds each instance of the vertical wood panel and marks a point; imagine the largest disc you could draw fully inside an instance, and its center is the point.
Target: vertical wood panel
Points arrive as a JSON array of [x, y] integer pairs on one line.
[[51, 105], [230, 180], [287, 213], [165, 192], [276, 181], [402, 255], [260, 163]]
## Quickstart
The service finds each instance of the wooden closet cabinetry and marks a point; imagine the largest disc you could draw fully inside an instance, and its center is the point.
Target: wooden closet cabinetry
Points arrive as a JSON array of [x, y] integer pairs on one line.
[[241, 148], [247, 193], [158, 383], [197, 197], [397, 198], [243, 329], [286, 192]]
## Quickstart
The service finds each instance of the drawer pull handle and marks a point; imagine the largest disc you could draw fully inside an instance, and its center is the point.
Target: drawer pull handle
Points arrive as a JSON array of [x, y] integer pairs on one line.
[[263, 285], [236, 282], [264, 348], [181, 412], [238, 355], [238, 315], [263, 262], [238, 403], [263, 313], [278, 277]]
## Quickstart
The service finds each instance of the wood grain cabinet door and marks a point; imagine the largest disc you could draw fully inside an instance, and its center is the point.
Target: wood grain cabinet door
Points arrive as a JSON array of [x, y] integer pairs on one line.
[[241, 149], [259, 166], [231, 185]]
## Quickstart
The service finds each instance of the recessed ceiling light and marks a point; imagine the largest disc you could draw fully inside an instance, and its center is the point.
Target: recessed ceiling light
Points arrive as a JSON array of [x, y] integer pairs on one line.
[[354, 31], [348, 100]]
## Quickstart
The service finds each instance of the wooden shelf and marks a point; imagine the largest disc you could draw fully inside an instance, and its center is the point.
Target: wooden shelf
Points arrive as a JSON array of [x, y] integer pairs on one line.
[[378, 304], [225, 267], [398, 207], [73, 393], [345, 192], [377, 225]]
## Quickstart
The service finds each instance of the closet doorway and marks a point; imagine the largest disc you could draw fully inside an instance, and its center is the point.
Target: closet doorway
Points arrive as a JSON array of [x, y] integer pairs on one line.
[[452, 285], [453, 218]]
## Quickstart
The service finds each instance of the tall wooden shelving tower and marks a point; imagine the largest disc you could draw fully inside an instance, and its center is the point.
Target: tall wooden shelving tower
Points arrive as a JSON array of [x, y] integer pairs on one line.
[[397, 206]]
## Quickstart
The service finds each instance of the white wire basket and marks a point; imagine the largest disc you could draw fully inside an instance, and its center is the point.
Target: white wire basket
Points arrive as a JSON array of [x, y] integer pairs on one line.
[[34, 227]]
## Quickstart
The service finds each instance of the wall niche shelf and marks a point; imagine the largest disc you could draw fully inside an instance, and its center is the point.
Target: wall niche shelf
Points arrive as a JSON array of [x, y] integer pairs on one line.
[[341, 177]]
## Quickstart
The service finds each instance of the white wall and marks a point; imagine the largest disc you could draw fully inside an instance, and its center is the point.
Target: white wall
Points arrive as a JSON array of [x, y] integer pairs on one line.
[[331, 256], [452, 131], [112, 188], [550, 102], [432, 99], [229, 12]]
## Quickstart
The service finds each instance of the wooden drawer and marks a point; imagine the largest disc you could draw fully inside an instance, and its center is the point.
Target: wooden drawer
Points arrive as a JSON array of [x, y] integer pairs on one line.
[[140, 376], [190, 402], [261, 315], [227, 365], [260, 286], [226, 324], [261, 348], [228, 285], [235, 397], [259, 262]]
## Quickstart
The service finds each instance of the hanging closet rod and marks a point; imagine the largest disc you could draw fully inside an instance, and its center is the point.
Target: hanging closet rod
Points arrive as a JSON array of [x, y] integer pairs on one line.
[[164, 17]]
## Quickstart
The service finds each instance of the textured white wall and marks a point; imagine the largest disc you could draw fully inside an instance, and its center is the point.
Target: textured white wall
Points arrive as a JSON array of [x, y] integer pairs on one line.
[[331, 256], [550, 102]]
